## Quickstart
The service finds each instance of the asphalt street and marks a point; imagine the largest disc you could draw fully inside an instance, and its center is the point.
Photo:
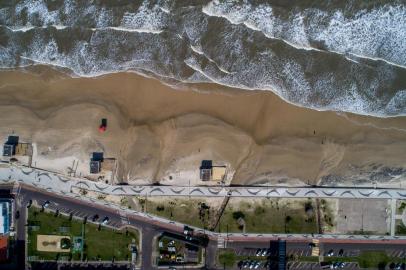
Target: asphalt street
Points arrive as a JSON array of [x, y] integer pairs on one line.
[[151, 228], [81, 209]]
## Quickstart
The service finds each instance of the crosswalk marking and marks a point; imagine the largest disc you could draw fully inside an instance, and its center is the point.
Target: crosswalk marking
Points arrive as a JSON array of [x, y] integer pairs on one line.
[[220, 242], [316, 248]]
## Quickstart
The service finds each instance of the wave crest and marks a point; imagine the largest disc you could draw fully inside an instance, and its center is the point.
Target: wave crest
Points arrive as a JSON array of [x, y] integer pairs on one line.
[[311, 57]]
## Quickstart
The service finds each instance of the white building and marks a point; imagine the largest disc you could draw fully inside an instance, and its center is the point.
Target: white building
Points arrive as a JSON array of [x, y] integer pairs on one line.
[[5, 215]]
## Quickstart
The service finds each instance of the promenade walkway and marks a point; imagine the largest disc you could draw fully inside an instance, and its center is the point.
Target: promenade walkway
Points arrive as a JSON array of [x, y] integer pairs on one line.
[[59, 185], [64, 184]]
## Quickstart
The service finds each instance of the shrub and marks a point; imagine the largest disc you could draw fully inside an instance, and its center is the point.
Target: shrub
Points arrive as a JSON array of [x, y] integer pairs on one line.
[[238, 214]]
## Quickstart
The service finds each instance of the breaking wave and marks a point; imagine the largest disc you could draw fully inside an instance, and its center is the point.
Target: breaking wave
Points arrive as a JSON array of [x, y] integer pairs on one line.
[[345, 57]]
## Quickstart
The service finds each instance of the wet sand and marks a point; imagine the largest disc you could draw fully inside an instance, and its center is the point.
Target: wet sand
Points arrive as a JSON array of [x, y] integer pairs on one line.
[[161, 134]]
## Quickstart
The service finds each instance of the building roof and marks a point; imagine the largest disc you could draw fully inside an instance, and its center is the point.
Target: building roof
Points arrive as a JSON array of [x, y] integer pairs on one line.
[[206, 164], [4, 217], [218, 173], [12, 140], [205, 174], [8, 150], [3, 248], [97, 156], [94, 166], [23, 149]]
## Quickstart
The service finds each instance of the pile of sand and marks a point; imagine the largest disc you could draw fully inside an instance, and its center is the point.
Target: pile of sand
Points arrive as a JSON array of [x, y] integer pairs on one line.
[[161, 134]]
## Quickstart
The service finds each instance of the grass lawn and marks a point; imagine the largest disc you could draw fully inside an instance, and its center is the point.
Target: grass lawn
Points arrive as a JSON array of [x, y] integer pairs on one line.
[[341, 259], [260, 215], [377, 259], [308, 259], [103, 244], [270, 216], [373, 259], [227, 258], [188, 211]]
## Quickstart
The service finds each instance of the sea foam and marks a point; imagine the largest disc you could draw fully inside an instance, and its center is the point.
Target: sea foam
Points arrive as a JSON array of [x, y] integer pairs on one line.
[[375, 34], [310, 57]]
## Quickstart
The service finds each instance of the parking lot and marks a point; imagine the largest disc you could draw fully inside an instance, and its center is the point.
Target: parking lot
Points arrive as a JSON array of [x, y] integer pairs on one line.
[[93, 216], [251, 252], [315, 265], [340, 252]]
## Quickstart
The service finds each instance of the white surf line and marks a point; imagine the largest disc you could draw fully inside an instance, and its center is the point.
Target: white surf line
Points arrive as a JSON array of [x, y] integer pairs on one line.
[[211, 60], [131, 30], [355, 122], [61, 27], [296, 46], [256, 29], [376, 59]]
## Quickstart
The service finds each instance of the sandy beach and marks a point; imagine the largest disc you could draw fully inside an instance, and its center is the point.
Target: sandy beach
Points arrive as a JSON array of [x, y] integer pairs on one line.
[[161, 134]]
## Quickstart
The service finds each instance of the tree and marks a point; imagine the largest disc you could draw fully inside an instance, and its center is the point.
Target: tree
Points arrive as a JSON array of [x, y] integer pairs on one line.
[[238, 214]]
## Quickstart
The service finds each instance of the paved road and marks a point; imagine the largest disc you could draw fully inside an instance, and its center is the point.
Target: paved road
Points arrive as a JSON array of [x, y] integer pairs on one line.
[[149, 229], [64, 184]]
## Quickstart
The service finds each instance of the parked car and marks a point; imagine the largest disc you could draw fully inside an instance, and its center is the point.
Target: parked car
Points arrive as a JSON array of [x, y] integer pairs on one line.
[[330, 253], [400, 266], [240, 264], [259, 252], [186, 230], [29, 203], [46, 204], [105, 220], [265, 252], [252, 264], [17, 214], [341, 252], [95, 217]]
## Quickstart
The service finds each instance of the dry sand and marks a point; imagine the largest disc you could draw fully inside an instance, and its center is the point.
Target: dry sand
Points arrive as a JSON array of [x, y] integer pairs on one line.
[[158, 133]]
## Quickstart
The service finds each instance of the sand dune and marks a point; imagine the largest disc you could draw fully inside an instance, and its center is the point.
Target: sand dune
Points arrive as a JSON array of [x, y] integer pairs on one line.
[[159, 134]]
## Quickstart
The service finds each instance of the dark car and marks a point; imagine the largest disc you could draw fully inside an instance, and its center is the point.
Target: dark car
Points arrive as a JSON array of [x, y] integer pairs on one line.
[[46, 204], [341, 252], [17, 215], [29, 203], [105, 220], [95, 217]]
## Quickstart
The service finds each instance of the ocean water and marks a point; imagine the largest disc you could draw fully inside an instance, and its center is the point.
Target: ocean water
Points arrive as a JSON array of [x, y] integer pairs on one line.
[[327, 55]]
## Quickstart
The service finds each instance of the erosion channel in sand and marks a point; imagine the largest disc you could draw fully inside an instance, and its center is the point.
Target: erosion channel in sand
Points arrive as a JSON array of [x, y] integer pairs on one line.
[[161, 134]]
